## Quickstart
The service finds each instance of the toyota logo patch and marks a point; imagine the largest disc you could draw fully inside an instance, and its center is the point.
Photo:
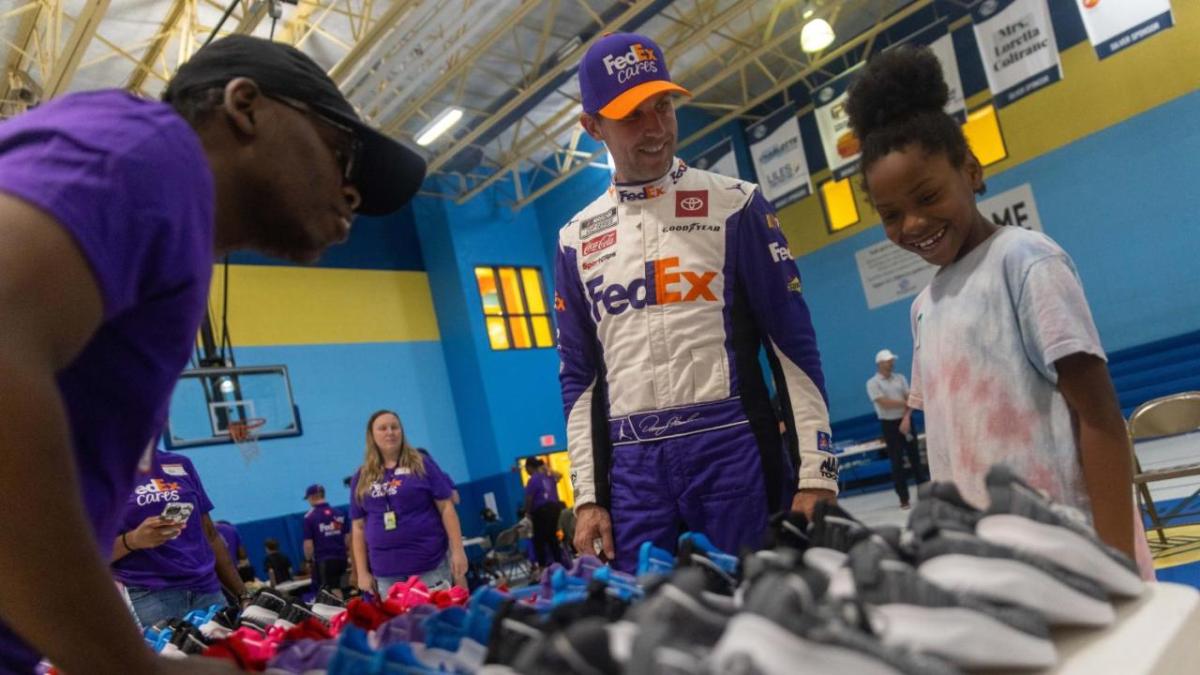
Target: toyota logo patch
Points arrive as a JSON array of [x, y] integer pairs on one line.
[[691, 204]]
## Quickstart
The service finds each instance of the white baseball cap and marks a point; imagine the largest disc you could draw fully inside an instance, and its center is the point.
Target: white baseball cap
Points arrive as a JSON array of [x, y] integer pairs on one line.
[[884, 355]]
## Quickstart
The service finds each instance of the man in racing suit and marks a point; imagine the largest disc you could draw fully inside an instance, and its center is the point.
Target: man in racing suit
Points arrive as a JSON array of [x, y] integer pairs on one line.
[[668, 286]]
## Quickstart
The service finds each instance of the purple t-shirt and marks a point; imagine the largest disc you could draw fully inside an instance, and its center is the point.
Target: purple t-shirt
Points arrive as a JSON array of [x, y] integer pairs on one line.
[[229, 535], [542, 489], [419, 542], [128, 179], [186, 562], [326, 527]]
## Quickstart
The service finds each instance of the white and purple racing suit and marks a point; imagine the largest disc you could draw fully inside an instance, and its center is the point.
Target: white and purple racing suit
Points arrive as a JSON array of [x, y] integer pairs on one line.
[[666, 294]]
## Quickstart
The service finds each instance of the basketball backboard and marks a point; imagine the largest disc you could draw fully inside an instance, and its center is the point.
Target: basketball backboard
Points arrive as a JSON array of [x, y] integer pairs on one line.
[[206, 400]]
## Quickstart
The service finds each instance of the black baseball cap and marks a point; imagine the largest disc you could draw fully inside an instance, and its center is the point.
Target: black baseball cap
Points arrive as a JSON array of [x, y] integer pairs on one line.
[[388, 173]]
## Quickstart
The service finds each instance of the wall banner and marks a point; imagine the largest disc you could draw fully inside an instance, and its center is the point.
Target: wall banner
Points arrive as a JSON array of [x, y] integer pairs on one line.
[[779, 159], [842, 149], [1016, 42], [1113, 25]]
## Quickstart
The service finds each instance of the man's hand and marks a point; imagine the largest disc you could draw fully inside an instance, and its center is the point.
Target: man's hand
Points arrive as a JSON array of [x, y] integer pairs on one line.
[[591, 523], [153, 532], [906, 425], [805, 500]]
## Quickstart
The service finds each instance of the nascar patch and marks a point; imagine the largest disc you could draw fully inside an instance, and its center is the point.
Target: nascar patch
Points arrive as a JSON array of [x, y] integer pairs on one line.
[[598, 223]]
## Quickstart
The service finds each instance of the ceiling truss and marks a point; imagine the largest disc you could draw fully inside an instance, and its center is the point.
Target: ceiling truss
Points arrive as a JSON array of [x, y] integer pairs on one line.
[[507, 64]]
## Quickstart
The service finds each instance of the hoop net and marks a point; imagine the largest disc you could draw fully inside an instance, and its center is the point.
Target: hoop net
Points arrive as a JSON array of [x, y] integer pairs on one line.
[[244, 434]]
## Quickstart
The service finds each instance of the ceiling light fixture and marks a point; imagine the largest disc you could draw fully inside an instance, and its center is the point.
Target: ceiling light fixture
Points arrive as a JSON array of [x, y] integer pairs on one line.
[[440, 125], [816, 35]]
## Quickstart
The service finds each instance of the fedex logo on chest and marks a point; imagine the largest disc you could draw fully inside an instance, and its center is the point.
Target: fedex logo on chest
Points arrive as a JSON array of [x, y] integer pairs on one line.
[[664, 283]]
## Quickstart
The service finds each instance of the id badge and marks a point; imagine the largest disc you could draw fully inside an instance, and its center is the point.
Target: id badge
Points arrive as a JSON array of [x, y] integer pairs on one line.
[[389, 520]]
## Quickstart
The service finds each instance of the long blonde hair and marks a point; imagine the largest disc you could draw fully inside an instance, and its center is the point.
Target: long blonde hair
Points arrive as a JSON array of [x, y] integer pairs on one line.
[[372, 466]]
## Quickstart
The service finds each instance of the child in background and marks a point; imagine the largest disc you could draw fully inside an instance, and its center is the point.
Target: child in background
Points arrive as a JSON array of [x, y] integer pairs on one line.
[[1007, 363], [279, 566]]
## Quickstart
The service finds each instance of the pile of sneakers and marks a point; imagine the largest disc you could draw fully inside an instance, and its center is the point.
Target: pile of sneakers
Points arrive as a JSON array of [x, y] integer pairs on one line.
[[958, 589]]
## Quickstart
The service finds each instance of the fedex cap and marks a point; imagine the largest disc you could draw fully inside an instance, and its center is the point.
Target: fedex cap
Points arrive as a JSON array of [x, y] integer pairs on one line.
[[620, 71]]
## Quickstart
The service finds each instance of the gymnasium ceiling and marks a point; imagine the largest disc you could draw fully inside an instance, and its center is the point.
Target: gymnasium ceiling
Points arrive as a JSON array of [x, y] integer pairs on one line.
[[508, 64]]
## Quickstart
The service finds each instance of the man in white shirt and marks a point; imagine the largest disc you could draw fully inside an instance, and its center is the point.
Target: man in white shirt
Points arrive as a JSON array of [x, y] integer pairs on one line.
[[888, 391]]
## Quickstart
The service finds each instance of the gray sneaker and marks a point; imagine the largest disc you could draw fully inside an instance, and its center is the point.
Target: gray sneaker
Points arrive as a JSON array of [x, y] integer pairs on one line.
[[951, 555], [907, 610], [782, 630], [1022, 518]]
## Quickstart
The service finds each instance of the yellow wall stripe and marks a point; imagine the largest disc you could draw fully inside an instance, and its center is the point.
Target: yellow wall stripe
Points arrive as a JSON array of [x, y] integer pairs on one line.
[[277, 305], [1093, 95]]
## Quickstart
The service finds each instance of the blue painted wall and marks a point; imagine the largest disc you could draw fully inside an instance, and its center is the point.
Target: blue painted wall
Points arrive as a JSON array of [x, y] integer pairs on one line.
[[505, 401], [1122, 202], [336, 388]]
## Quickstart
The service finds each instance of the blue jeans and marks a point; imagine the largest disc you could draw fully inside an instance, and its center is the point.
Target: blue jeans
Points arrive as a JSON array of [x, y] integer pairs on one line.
[[430, 578], [152, 606]]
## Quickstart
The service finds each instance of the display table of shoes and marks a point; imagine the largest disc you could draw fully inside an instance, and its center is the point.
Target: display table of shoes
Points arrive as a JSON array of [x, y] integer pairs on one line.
[[1158, 633]]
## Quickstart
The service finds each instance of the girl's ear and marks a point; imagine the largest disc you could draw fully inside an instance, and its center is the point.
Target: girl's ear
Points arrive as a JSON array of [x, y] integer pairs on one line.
[[974, 172]]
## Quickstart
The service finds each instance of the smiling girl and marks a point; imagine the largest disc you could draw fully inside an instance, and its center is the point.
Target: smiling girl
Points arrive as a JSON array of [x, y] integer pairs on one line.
[[1007, 363]]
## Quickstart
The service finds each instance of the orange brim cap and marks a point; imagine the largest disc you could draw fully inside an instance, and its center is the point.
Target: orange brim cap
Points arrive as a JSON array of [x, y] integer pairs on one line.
[[621, 106]]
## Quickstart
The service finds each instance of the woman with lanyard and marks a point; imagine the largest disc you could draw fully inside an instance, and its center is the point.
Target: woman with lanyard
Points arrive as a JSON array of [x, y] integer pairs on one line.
[[169, 555], [403, 521]]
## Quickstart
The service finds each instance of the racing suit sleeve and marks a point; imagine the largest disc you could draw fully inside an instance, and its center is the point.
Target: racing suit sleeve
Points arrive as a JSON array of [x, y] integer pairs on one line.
[[769, 273], [580, 376]]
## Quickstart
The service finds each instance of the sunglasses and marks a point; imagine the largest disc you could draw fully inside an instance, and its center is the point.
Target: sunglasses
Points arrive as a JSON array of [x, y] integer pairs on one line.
[[347, 151]]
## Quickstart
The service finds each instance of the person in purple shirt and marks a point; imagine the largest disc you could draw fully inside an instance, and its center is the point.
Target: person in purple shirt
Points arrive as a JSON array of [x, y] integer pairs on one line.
[[233, 541], [112, 211], [325, 539], [403, 521], [237, 552], [543, 506], [169, 555]]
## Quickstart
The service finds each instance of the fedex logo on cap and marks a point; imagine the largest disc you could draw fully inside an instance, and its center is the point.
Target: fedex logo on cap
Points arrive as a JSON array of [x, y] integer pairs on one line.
[[664, 284], [630, 64]]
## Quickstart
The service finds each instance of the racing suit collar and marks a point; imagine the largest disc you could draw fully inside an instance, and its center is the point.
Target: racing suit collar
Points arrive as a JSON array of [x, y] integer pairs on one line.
[[624, 193]]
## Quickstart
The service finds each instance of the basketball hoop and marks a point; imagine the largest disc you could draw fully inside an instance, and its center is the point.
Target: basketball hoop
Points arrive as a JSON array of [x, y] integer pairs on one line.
[[244, 434]]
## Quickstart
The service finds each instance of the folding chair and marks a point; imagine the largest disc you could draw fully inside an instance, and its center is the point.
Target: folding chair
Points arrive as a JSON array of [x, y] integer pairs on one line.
[[508, 556], [1172, 415]]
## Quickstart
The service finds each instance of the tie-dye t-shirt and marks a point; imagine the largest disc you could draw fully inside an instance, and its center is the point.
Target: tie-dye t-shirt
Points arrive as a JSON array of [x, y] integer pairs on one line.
[[986, 334]]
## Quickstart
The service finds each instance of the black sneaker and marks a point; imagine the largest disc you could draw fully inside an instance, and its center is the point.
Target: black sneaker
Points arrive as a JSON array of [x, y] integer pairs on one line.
[[264, 611], [221, 624], [514, 626], [788, 530], [678, 625], [583, 647], [188, 639], [295, 614], [324, 597]]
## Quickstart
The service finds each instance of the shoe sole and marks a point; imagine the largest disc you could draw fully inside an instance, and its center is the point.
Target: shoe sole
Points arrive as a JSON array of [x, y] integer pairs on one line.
[[1012, 581], [967, 638], [771, 648], [1062, 546]]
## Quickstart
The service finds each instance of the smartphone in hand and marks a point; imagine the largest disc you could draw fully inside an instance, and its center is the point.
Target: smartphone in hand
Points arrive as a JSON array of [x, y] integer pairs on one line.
[[178, 512]]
